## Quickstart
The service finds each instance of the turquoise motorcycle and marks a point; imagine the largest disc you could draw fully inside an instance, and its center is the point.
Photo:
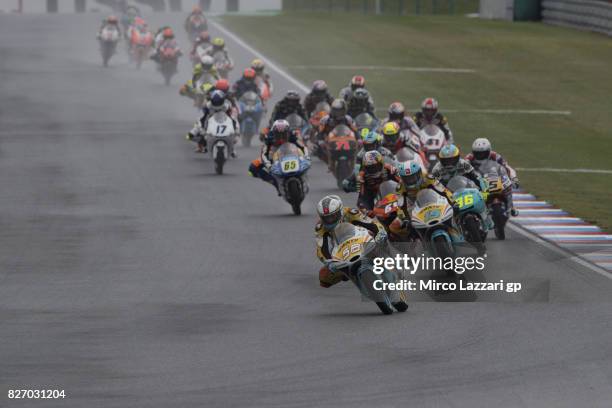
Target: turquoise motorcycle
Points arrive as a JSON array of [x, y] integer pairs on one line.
[[471, 214]]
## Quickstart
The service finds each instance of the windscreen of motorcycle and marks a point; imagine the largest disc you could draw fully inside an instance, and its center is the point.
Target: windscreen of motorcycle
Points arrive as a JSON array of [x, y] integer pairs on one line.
[[459, 183]]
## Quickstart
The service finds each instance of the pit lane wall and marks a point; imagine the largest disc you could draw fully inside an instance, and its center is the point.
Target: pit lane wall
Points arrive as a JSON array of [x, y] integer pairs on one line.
[[76, 6]]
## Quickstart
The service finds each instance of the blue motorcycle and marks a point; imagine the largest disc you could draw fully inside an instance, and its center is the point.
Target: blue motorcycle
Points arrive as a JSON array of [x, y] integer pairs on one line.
[[251, 112], [471, 212], [289, 167]]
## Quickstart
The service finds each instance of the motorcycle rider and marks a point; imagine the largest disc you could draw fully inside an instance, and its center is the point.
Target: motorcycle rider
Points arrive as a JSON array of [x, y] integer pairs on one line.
[[371, 141], [246, 84], [280, 133], [288, 105], [357, 82], [319, 93], [111, 22], [360, 102], [218, 45], [332, 212], [201, 47], [394, 139], [200, 72], [195, 12], [168, 41], [451, 164], [337, 116], [218, 103], [374, 171], [397, 113], [259, 67], [430, 115], [483, 151]]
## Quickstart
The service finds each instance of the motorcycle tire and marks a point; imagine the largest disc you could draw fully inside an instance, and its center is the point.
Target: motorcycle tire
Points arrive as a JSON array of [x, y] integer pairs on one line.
[[294, 193], [219, 162], [384, 308], [246, 140], [442, 250], [400, 306], [499, 219], [343, 171], [471, 226]]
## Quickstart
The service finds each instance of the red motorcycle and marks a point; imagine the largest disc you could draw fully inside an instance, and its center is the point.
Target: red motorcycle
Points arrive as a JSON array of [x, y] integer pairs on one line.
[[140, 42], [168, 62]]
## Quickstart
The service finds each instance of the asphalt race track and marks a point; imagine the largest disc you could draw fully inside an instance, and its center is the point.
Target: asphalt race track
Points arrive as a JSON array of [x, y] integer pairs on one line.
[[133, 276]]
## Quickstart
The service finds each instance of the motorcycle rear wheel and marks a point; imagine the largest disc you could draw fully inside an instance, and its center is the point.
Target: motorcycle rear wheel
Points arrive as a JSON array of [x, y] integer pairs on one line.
[[471, 225], [219, 162]]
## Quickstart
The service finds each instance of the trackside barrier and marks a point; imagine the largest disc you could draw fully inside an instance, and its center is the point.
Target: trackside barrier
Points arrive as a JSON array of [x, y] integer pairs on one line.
[[588, 15]]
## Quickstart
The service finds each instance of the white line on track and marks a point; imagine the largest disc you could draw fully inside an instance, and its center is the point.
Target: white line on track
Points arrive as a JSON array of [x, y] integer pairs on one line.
[[498, 111], [512, 226], [384, 68], [552, 170]]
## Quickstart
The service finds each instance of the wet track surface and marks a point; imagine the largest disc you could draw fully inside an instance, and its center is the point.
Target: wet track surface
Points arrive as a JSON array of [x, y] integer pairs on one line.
[[132, 276]]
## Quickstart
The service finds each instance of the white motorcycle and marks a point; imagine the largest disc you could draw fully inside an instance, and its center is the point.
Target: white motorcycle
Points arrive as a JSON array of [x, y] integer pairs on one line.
[[221, 135], [432, 140], [109, 37]]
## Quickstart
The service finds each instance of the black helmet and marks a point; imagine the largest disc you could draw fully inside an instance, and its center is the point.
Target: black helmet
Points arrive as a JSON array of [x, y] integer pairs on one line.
[[338, 109], [361, 97], [217, 99], [293, 98]]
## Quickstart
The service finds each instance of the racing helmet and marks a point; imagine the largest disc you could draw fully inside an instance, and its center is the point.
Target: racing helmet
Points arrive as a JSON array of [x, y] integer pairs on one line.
[[371, 141], [218, 43], [338, 109], [449, 156], [372, 163], [217, 100], [222, 85], [196, 10], [204, 37], [292, 98], [391, 133], [396, 111], [481, 148], [357, 82], [330, 210], [319, 87], [249, 74], [207, 63], [281, 131], [411, 174], [361, 97], [112, 20], [429, 107], [258, 65], [168, 33]]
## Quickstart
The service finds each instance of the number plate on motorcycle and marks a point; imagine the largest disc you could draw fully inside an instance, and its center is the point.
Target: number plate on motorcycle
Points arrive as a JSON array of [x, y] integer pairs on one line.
[[290, 166]]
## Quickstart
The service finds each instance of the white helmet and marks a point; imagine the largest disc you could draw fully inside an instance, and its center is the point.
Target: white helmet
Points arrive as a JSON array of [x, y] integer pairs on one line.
[[330, 211], [207, 62], [481, 148]]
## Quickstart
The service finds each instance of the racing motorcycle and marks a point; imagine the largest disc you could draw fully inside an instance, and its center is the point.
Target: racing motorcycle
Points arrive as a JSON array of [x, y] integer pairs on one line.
[[321, 110], [222, 65], [472, 216], [341, 151], [204, 84], [432, 218], [500, 189], [168, 62], [386, 208], [266, 92], [220, 138], [251, 110], [195, 25], [289, 169], [432, 141], [109, 37], [140, 42], [365, 121], [353, 255]]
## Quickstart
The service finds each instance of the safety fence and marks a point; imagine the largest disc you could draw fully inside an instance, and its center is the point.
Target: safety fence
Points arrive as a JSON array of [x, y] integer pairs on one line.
[[582, 14], [391, 7]]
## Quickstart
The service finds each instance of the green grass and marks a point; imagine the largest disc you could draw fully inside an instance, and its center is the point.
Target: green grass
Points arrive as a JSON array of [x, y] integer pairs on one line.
[[519, 66]]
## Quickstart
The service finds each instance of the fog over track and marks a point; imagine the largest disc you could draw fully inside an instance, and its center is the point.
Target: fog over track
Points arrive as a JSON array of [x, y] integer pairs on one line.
[[132, 276]]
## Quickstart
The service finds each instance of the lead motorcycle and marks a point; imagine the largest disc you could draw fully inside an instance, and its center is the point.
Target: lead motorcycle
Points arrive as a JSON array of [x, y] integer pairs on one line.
[[341, 150], [353, 255], [289, 168], [109, 37], [251, 111], [220, 138], [499, 192]]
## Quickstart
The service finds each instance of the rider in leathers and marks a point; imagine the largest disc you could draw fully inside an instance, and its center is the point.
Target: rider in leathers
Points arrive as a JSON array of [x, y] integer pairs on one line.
[[331, 213], [373, 173], [218, 103], [319, 93]]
